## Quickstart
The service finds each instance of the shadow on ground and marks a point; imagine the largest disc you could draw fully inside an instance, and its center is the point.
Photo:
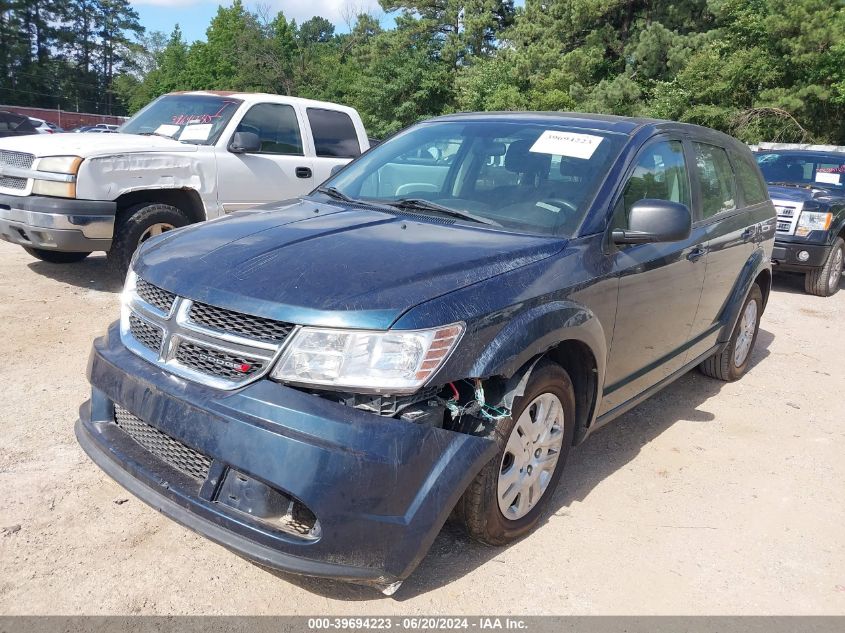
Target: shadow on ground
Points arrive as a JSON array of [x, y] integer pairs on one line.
[[91, 273], [453, 554]]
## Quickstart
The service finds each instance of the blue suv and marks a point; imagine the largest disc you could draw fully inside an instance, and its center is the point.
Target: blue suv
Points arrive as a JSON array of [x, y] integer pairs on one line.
[[320, 384]]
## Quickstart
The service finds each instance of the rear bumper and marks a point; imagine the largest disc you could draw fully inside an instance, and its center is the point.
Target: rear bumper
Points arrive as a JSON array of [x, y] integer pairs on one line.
[[785, 255], [380, 488], [56, 223]]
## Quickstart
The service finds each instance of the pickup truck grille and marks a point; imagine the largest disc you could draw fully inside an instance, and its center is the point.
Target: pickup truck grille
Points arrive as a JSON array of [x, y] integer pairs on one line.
[[204, 343], [788, 214], [15, 159], [168, 449]]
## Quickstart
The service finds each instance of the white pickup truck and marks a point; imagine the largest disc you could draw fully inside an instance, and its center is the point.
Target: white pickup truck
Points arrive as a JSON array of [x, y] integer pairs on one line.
[[184, 158]]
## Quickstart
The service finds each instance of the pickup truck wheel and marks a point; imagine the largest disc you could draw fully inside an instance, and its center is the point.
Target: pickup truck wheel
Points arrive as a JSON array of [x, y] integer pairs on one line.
[[732, 362], [824, 281], [508, 496], [136, 225], [55, 257]]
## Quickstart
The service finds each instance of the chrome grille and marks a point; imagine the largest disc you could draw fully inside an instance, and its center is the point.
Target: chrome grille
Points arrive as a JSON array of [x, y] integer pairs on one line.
[[788, 213], [12, 182], [216, 362], [169, 450], [155, 296], [146, 334], [16, 159], [247, 325], [207, 344]]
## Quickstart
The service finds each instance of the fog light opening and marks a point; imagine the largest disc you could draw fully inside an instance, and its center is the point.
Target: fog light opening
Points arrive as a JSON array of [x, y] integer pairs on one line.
[[803, 256]]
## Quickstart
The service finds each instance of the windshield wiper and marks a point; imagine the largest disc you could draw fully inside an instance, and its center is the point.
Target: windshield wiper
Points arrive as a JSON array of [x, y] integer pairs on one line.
[[155, 134], [421, 204], [337, 194]]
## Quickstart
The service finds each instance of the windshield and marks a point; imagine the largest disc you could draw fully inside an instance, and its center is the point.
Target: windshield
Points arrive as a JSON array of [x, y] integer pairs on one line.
[[196, 119], [530, 177], [824, 170]]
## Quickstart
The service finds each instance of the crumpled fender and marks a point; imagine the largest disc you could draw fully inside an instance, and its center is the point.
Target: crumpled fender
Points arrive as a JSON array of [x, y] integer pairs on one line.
[[536, 331]]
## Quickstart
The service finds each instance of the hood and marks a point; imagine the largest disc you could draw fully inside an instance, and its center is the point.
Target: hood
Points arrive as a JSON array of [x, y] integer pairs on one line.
[[803, 194], [316, 264], [91, 145]]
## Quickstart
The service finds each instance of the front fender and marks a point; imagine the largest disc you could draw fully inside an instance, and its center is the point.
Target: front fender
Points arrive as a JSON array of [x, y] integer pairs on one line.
[[536, 331]]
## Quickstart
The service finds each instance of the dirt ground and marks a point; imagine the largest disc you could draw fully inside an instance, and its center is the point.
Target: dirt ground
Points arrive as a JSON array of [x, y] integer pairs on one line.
[[709, 498]]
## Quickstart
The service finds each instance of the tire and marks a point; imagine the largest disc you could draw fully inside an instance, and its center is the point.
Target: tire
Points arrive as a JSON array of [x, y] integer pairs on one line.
[[824, 281], [137, 224], [55, 257], [479, 507], [732, 362]]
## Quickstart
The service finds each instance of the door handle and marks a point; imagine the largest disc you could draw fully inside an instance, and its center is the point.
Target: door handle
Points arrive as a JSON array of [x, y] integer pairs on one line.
[[696, 253], [303, 172], [749, 233]]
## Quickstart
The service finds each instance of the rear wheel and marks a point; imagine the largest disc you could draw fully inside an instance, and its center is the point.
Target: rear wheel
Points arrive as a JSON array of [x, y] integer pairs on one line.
[[732, 362], [824, 281], [136, 225], [508, 496], [55, 257]]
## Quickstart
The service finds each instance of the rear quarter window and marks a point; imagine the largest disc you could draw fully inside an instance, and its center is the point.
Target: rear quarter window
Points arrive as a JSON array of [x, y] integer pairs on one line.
[[749, 178], [334, 134]]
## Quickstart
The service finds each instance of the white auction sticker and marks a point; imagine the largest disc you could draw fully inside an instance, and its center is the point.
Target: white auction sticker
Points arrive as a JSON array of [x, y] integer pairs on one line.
[[167, 129], [827, 177], [567, 144], [196, 132]]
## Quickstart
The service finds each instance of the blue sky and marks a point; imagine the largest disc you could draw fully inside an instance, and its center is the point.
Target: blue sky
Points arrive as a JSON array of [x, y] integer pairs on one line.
[[193, 16]]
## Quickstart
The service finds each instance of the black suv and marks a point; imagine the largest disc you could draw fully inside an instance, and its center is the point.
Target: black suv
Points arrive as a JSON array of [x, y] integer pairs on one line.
[[808, 190], [319, 385]]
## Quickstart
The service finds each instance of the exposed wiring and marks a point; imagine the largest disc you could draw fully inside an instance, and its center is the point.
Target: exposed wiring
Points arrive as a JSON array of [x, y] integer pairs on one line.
[[477, 406]]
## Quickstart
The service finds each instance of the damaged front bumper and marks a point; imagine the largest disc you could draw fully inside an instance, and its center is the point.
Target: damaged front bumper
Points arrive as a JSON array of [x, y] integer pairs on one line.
[[284, 478]]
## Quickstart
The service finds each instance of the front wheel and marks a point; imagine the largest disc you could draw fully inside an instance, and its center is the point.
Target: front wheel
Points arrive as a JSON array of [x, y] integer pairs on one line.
[[507, 498], [732, 362], [824, 281], [55, 257], [136, 225]]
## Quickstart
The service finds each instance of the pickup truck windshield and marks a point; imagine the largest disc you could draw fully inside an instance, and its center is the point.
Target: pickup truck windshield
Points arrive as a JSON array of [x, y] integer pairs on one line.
[[532, 177], [196, 119], [822, 170]]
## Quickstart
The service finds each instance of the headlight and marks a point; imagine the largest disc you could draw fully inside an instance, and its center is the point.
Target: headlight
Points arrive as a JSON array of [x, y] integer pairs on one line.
[[65, 165], [395, 361], [813, 221], [59, 164], [53, 188], [126, 300]]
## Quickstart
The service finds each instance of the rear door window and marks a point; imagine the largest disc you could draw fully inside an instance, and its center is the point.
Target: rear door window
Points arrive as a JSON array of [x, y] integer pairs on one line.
[[334, 134], [718, 189]]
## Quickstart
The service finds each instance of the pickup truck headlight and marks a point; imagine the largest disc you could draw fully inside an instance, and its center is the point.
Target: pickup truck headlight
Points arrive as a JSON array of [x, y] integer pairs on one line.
[[394, 361], [63, 165], [813, 221]]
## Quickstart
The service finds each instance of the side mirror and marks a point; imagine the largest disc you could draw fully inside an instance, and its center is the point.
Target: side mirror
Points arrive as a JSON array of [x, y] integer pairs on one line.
[[655, 221], [244, 143], [336, 169]]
